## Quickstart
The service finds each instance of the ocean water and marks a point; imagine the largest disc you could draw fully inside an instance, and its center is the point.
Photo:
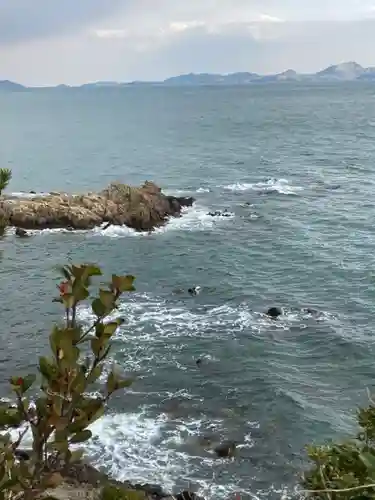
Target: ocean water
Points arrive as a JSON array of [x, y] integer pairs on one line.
[[295, 166]]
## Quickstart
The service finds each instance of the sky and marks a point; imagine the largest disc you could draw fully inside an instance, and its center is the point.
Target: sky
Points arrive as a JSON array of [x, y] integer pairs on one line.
[[49, 42]]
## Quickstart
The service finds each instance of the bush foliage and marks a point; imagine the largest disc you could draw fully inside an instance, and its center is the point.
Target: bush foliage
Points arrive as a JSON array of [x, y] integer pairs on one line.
[[60, 411], [345, 470], [5, 177]]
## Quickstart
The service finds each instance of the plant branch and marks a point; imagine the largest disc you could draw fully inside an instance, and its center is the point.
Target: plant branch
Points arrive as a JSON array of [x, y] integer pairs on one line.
[[343, 490]]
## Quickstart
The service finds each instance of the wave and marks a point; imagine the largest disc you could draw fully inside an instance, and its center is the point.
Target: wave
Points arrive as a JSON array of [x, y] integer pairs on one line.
[[27, 195], [193, 218], [281, 186], [164, 335], [137, 447], [147, 444], [187, 191]]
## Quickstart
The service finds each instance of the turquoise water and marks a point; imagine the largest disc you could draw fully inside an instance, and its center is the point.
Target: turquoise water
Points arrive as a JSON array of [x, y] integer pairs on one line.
[[303, 159]]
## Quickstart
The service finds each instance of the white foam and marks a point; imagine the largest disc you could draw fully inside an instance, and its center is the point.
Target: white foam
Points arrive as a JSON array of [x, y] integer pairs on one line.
[[193, 218], [186, 192], [281, 186], [145, 448], [141, 449], [27, 195]]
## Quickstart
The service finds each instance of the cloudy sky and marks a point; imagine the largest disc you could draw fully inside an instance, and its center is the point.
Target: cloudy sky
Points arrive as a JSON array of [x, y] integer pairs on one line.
[[46, 42]]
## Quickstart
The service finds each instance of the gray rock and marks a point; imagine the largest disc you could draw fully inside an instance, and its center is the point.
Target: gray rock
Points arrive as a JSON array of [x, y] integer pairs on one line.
[[274, 312], [21, 233], [225, 450]]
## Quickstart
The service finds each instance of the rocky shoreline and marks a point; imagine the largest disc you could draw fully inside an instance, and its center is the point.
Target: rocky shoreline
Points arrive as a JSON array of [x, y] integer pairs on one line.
[[141, 208], [82, 480]]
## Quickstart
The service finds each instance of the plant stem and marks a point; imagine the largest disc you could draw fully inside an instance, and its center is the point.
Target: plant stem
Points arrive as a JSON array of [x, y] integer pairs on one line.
[[343, 490]]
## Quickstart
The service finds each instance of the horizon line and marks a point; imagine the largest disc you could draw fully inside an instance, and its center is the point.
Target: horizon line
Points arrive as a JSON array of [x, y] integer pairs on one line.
[[191, 73]]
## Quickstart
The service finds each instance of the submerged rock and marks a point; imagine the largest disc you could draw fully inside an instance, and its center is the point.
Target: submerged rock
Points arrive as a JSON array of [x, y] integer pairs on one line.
[[225, 450], [274, 312], [219, 213], [142, 208], [154, 490], [21, 233], [187, 495]]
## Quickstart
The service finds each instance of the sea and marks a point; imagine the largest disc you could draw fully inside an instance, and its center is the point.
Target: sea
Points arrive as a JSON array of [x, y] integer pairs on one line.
[[294, 166]]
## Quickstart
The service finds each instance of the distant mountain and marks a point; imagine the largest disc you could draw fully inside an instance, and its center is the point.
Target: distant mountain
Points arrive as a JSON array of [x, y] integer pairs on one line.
[[6, 85], [212, 79], [345, 72], [349, 71]]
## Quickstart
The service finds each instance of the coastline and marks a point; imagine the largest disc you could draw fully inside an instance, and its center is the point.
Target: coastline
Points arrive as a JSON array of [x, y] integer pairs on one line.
[[141, 208], [83, 480]]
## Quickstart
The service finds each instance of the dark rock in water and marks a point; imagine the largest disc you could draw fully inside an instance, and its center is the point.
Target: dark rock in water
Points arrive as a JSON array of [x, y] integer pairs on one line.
[[154, 490], [32, 192], [225, 450], [310, 310], [274, 312], [21, 233], [185, 201], [187, 495], [22, 455], [219, 213]]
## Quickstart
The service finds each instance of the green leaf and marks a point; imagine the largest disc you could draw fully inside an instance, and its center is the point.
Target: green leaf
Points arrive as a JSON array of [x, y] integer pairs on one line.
[[77, 271], [28, 382], [107, 299], [98, 308], [76, 456], [95, 374], [79, 291], [61, 446], [368, 459], [41, 406], [9, 484], [10, 417], [96, 346], [92, 270], [79, 383], [98, 414], [123, 384], [111, 383], [123, 283], [110, 328], [5, 439], [47, 368], [81, 437], [54, 339], [99, 329]]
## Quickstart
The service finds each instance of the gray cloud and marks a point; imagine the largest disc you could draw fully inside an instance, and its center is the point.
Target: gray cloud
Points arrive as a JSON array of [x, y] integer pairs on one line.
[[152, 39], [22, 20]]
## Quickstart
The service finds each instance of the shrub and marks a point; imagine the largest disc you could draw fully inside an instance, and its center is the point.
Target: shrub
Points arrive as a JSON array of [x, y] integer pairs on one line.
[[345, 470], [111, 492], [5, 177], [62, 411]]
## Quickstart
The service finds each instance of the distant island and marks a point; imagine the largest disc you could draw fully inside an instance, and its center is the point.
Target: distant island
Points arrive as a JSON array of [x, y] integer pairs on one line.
[[345, 72]]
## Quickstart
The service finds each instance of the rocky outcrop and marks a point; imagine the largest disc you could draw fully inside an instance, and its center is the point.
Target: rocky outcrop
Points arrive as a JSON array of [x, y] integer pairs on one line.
[[142, 208]]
